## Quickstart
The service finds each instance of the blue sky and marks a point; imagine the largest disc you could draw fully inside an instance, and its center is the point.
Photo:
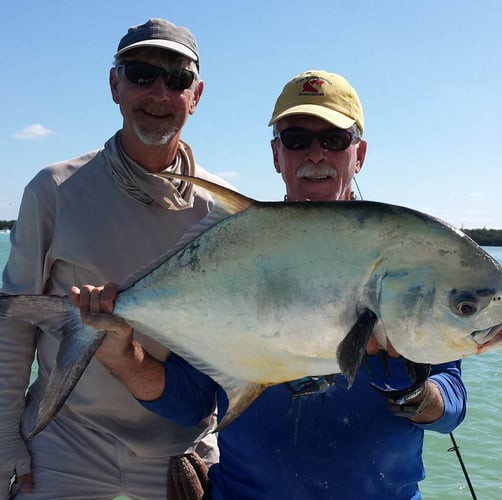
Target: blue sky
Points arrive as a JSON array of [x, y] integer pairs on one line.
[[428, 73]]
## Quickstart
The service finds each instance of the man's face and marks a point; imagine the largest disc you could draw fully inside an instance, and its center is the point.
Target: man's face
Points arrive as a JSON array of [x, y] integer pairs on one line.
[[153, 114], [316, 173]]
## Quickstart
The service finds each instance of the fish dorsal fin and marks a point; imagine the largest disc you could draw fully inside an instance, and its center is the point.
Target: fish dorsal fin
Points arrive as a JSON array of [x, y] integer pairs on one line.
[[231, 202]]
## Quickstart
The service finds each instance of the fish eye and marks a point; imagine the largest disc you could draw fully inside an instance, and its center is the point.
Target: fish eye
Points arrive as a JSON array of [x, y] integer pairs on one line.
[[466, 305], [466, 308]]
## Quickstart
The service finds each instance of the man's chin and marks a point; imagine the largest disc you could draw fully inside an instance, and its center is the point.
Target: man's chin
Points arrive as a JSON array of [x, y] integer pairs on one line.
[[154, 137], [318, 189]]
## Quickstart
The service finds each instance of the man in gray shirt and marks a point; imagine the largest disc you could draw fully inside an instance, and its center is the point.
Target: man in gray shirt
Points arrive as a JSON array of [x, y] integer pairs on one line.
[[92, 219]]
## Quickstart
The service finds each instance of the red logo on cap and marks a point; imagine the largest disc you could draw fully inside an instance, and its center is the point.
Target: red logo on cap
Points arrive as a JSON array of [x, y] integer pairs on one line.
[[313, 85]]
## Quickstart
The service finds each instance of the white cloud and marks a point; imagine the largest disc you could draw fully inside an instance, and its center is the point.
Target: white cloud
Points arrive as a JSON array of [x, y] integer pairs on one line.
[[33, 132]]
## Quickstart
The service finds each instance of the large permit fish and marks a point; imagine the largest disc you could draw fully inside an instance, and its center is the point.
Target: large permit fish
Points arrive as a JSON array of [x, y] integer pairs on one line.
[[266, 292]]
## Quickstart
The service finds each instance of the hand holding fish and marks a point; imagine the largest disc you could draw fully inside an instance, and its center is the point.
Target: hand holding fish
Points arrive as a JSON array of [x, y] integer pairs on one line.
[[142, 374], [405, 385], [420, 402], [93, 302], [94, 299]]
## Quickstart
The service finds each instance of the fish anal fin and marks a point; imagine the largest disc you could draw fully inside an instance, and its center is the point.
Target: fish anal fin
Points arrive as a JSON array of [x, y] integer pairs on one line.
[[351, 350], [240, 398], [227, 199]]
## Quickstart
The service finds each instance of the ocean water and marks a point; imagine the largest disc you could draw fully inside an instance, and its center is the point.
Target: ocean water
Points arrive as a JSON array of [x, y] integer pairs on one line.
[[479, 437], [4, 249]]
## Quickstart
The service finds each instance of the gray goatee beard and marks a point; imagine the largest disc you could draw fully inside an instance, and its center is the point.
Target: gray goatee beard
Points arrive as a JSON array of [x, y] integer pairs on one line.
[[154, 137]]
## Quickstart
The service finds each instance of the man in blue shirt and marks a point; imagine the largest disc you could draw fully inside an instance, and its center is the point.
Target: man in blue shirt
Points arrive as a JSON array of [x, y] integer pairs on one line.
[[299, 441], [312, 438]]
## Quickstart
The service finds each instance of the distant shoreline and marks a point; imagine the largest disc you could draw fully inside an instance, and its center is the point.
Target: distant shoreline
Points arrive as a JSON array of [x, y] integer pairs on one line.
[[6, 225], [484, 237]]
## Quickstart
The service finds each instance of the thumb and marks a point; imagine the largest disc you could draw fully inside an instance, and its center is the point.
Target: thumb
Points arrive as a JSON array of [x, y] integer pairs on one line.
[[107, 322]]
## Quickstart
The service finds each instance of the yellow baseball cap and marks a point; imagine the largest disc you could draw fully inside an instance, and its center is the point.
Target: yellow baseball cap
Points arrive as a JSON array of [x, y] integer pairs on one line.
[[319, 93]]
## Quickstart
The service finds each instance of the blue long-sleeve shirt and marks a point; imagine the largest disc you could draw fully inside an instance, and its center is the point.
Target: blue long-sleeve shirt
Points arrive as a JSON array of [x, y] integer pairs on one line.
[[337, 444]]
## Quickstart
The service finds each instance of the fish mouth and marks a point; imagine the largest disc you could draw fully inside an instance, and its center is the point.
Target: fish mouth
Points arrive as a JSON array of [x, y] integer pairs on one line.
[[488, 338]]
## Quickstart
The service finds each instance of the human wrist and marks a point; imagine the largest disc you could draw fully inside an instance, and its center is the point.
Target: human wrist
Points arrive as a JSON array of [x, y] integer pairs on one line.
[[140, 372], [426, 408], [414, 403], [127, 359]]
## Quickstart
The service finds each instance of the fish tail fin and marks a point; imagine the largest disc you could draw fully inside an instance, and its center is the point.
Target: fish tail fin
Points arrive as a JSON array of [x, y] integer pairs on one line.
[[44, 311], [78, 344], [240, 396], [350, 352]]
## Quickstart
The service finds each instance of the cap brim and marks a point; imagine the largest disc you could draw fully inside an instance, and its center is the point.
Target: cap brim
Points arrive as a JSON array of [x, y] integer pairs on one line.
[[162, 44], [334, 117]]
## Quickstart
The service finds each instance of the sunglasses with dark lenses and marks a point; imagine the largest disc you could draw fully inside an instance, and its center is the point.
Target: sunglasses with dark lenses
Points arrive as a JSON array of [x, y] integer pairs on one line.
[[142, 73], [334, 139]]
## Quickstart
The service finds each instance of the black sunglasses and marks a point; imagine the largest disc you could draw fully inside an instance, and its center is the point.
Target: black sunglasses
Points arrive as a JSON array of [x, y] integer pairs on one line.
[[142, 73], [334, 139]]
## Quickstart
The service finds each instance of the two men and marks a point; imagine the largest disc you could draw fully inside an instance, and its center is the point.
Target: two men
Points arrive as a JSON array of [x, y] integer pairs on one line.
[[311, 438]]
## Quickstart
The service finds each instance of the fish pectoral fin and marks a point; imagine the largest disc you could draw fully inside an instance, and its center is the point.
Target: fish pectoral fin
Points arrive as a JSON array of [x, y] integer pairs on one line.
[[78, 345], [351, 350], [240, 396], [230, 201]]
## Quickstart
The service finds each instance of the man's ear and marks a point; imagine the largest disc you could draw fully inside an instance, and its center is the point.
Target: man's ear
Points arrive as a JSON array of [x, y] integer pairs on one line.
[[114, 85], [197, 93], [361, 154], [275, 155]]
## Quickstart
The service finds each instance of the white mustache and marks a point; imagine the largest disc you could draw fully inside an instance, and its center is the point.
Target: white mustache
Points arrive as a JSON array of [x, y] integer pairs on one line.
[[316, 171]]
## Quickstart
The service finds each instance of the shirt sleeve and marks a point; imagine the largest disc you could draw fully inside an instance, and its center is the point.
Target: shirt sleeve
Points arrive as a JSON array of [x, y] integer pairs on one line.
[[23, 274], [447, 377], [189, 395]]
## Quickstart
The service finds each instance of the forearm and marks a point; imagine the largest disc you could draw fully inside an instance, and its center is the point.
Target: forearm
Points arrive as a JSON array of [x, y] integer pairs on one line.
[[449, 386], [123, 356], [189, 395], [17, 346], [140, 372]]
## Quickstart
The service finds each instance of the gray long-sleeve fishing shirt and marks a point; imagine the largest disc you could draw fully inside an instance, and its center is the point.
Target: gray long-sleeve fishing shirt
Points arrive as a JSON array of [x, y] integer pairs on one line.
[[87, 221]]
